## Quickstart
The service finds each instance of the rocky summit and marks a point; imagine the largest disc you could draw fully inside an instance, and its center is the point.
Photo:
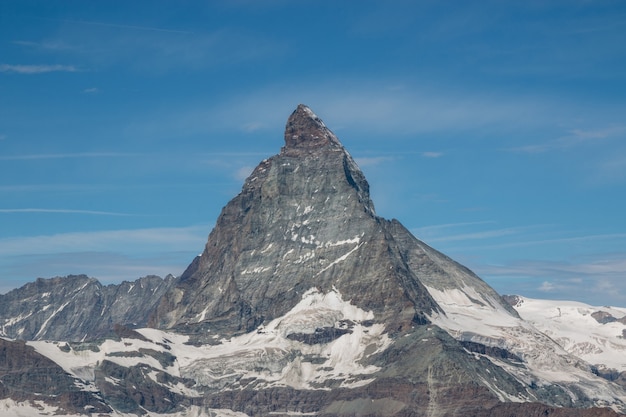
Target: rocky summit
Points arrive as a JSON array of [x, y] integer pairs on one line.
[[303, 302], [303, 220]]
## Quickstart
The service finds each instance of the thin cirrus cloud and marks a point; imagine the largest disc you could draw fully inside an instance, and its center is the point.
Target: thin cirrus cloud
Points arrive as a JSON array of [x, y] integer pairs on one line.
[[64, 155], [601, 277], [107, 267], [602, 267], [372, 108], [432, 154], [575, 137], [148, 239], [63, 211], [109, 255], [610, 170], [558, 240], [487, 234], [451, 232], [159, 50], [120, 26], [36, 69], [380, 107], [372, 160]]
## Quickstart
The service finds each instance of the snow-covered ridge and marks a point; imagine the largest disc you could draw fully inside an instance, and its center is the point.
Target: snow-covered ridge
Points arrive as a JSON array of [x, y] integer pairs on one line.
[[468, 316], [572, 325]]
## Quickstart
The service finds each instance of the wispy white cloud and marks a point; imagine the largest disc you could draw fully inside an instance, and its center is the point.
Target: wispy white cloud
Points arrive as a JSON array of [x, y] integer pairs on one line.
[[243, 172], [438, 228], [457, 232], [606, 265], [557, 240], [610, 170], [155, 49], [47, 45], [575, 137], [432, 154], [109, 255], [91, 90], [79, 155], [486, 234], [546, 286], [366, 161], [107, 267], [371, 107], [36, 69], [130, 240], [62, 211], [37, 188], [121, 26], [597, 279]]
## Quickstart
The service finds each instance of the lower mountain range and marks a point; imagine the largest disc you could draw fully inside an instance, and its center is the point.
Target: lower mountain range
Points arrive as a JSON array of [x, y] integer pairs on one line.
[[305, 302]]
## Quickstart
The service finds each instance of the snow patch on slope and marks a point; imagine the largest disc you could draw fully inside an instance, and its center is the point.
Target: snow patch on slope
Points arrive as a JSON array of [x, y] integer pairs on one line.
[[471, 317], [269, 358], [572, 326], [264, 358]]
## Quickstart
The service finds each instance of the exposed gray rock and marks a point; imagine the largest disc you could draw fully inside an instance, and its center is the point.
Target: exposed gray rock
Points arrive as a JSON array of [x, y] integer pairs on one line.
[[77, 307], [304, 219], [603, 317], [132, 390]]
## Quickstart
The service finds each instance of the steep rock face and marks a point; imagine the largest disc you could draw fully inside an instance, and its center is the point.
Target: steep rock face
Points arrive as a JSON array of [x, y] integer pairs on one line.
[[77, 307], [304, 219]]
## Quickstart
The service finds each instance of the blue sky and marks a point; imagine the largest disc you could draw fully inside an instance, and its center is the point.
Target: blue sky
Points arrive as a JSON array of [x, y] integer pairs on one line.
[[493, 130]]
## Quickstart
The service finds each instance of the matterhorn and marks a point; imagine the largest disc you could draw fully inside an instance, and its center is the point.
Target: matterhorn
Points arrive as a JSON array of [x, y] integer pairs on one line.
[[305, 302]]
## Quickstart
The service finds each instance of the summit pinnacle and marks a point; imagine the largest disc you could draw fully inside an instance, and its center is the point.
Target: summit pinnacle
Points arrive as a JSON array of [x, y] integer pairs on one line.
[[305, 130]]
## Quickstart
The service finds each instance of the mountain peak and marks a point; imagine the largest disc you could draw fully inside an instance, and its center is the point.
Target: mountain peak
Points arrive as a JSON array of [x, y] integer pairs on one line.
[[306, 131]]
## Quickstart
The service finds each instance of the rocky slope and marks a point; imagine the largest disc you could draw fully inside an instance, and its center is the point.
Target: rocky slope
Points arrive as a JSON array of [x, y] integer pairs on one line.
[[77, 308], [305, 302]]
